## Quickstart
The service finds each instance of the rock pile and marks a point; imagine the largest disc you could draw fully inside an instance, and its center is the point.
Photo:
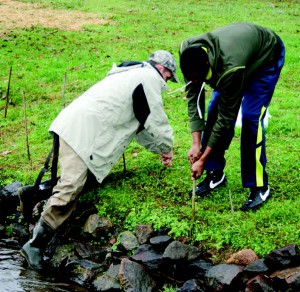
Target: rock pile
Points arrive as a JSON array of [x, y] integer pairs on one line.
[[148, 260]]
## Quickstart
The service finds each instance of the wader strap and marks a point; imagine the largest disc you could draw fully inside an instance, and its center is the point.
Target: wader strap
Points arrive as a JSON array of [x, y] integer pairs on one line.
[[54, 151]]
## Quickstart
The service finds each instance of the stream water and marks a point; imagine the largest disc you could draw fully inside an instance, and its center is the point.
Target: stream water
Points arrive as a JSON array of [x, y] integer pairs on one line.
[[15, 276]]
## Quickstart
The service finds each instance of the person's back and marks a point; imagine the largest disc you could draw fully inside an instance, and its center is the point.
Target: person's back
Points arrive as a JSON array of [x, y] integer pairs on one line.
[[103, 119], [238, 45]]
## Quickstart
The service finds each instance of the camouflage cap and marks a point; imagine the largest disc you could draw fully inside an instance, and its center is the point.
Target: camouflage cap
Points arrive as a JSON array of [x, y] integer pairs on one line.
[[166, 59]]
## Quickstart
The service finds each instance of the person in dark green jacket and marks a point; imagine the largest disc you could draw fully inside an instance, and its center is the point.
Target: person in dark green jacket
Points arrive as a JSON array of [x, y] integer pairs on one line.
[[242, 63]]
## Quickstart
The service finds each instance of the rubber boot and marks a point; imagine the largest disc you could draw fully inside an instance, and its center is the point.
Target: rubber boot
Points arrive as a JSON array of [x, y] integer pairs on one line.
[[33, 249]]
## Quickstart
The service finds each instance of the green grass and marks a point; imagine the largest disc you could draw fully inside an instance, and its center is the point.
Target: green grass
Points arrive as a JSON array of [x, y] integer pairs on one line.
[[41, 56]]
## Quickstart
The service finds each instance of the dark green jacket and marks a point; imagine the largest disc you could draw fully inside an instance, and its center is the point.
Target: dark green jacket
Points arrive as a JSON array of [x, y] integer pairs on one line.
[[235, 53]]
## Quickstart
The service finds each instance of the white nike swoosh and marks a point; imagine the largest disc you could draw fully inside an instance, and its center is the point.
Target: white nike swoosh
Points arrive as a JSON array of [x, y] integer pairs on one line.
[[212, 185], [265, 195]]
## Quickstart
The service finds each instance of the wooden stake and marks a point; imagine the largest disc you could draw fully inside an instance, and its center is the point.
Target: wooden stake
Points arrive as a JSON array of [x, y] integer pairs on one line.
[[193, 199], [63, 90], [26, 129], [7, 93], [231, 205]]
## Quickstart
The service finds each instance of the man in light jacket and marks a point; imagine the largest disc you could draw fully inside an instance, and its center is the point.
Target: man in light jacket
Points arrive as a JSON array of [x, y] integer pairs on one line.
[[242, 63], [96, 128]]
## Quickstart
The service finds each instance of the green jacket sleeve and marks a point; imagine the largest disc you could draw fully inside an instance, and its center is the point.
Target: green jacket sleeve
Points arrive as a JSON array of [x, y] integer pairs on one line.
[[230, 86]]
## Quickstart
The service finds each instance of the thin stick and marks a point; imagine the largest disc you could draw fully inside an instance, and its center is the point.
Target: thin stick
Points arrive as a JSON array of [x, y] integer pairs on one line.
[[193, 199], [124, 163], [63, 90], [152, 173], [7, 93], [231, 205], [26, 129]]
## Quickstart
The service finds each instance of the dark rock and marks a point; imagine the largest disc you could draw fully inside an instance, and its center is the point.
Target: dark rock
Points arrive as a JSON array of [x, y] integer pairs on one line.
[[95, 224], [287, 279], [63, 255], [107, 284], [286, 257], [87, 251], [128, 240], [161, 242], [256, 267], [260, 283], [115, 256], [19, 232], [191, 286], [161, 231], [183, 270], [149, 257], [177, 250], [83, 272], [223, 277], [109, 281], [133, 277], [196, 269], [143, 233], [293, 279], [9, 200]]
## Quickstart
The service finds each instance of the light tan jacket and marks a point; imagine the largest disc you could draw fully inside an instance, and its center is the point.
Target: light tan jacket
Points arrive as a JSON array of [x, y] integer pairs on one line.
[[125, 105]]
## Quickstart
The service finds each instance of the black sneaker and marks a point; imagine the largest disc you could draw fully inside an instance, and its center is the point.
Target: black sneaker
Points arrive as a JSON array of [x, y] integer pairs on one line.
[[213, 180], [256, 198]]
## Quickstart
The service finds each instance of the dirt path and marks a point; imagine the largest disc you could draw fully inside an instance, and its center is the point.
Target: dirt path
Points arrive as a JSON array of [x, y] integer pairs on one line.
[[14, 14]]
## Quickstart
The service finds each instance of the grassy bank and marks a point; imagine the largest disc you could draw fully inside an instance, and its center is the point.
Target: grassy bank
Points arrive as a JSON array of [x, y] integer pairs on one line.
[[42, 54]]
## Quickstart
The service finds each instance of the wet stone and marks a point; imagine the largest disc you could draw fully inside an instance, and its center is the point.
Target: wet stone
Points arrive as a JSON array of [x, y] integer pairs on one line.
[[9, 200], [149, 257], [191, 286], [257, 267], [83, 272], [63, 254], [108, 281], [196, 269], [260, 283], [177, 250], [128, 240], [143, 233], [224, 275], [287, 279], [87, 251], [286, 257], [95, 224], [133, 277], [161, 242]]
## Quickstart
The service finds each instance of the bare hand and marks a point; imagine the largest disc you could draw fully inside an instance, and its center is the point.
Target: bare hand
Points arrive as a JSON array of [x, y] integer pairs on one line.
[[194, 153], [197, 169], [166, 158]]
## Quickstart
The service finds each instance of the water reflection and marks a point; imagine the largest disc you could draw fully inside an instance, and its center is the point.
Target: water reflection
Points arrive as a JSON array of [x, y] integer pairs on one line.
[[16, 277]]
